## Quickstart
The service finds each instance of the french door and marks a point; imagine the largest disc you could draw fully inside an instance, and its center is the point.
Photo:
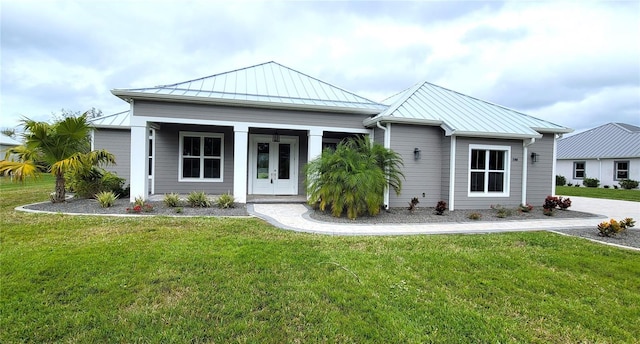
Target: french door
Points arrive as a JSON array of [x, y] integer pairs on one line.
[[273, 165]]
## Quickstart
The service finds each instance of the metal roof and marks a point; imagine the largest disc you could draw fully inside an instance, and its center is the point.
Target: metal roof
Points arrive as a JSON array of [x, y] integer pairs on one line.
[[459, 114], [8, 141], [611, 140], [265, 85], [116, 120]]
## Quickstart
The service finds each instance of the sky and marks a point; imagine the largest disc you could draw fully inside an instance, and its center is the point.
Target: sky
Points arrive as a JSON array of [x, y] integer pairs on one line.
[[573, 63]]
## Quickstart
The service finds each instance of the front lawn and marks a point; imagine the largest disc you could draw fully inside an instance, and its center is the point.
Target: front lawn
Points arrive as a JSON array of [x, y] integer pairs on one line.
[[619, 194], [86, 279]]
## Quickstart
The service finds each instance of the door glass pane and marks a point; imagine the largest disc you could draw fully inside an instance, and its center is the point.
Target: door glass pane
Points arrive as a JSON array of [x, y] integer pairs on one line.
[[212, 146], [477, 181], [191, 168], [284, 158], [262, 167], [212, 168], [496, 181]]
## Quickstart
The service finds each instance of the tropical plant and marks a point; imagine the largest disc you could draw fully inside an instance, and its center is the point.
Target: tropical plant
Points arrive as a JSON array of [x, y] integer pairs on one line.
[[89, 180], [172, 200], [612, 227], [352, 178], [61, 146], [106, 199], [225, 201], [198, 199], [413, 203], [441, 206]]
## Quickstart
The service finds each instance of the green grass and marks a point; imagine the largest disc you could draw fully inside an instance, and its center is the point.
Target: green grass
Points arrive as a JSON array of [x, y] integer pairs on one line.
[[96, 279], [619, 194]]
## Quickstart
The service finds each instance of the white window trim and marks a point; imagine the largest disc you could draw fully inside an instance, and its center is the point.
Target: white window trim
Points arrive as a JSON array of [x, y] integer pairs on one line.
[[615, 169], [180, 157], [507, 172], [151, 172], [584, 170]]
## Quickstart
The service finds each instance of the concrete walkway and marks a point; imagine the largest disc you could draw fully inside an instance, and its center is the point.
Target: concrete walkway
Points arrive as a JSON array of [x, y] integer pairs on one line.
[[295, 217]]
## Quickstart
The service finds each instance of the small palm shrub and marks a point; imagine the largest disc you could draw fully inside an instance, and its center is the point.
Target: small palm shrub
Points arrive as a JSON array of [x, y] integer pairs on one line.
[[106, 199], [591, 182], [198, 199], [629, 184], [561, 180], [138, 201], [172, 200], [501, 211], [88, 182], [225, 201], [612, 227], [441, 207], [352, 178]]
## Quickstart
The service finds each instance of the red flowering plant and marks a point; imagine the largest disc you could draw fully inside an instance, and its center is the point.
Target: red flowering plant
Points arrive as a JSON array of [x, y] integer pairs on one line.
[[140, 206]]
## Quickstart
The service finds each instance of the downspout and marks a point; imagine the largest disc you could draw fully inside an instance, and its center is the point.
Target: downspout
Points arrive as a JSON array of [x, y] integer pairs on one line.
[[387, 144], [553, 166], [525, 171], [452, 172]]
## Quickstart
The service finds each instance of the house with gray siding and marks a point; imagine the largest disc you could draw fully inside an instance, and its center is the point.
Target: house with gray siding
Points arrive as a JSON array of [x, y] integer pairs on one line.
[[610, 153], [251, 132]]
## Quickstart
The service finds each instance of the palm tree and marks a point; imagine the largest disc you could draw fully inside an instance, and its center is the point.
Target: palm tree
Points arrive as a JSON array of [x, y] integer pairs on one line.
[[58, 147], [353, 177]]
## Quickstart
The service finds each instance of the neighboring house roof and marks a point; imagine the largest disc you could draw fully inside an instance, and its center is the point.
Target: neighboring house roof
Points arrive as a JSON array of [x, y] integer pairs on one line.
[[459, 114], [611, 140], [265, 85], [116, 120], [8, 141]]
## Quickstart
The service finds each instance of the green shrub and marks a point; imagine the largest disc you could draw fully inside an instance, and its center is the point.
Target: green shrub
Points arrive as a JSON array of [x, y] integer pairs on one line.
[[591, 182], [88, 183], [612, 227], [628, 184], [441, 207], [138, 201], [198, 199], [172, 200], [352, 178], [501, 211], [561, 180], [106, 199], [225, 201], [475, 216]]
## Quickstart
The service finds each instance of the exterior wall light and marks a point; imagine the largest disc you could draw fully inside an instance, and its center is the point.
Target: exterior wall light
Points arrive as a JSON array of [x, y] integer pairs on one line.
[[534, 157], [416, 153]]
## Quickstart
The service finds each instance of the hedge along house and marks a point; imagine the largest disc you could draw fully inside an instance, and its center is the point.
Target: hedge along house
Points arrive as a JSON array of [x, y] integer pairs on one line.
[[251, 132]]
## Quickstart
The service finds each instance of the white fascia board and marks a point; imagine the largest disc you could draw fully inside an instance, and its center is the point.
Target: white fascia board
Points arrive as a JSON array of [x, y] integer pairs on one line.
[[142, 120], [497, 135], [127, 95], [553, 131], [369, 122]]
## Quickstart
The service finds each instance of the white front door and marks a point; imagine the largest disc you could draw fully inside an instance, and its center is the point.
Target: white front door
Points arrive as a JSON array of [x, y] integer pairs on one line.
[[274, 165]]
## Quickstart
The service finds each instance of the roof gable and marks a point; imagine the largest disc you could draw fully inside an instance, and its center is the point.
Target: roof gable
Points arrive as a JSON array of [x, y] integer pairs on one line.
[[426, 103], [269, 84], [611, 140]]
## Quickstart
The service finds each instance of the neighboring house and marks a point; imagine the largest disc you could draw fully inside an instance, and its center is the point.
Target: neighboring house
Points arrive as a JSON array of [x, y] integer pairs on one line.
[[610, 153], [251, 132], [7, 142]]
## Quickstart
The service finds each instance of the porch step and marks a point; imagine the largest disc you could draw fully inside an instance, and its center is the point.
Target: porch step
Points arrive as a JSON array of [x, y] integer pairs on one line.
[[267, 199]]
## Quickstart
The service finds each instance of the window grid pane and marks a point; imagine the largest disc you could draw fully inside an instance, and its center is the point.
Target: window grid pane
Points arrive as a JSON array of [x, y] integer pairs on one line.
[[201, 157], [488, 170]]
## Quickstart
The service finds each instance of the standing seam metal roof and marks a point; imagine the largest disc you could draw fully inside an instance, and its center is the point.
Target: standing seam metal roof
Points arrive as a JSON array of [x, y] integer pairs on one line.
[[611, 140], [116, 120], [269, 83], [429, 103]]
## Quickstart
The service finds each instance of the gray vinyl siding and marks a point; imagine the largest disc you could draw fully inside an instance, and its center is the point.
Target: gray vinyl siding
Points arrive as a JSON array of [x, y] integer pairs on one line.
[[118, 143], [462, 200], [445, 168], [167, 156], [248, 115], [540, 177], [378, 136], [423, 176]]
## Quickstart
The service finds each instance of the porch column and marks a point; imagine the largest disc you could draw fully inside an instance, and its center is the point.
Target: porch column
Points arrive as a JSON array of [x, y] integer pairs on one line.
[[315, 143], [138, 177], [240, 162]]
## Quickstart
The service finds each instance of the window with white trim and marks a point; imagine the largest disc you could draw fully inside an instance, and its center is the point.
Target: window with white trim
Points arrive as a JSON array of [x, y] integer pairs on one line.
[[201, 157], [621, 170], [578, 169], [489, 170]]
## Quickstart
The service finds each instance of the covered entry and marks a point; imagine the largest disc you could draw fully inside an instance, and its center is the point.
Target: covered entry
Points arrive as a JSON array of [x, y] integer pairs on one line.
[[273, 165]]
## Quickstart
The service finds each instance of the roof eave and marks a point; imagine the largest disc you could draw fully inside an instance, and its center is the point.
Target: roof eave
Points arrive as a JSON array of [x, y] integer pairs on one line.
[[553, 130], [371, 121], [128, 95]]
